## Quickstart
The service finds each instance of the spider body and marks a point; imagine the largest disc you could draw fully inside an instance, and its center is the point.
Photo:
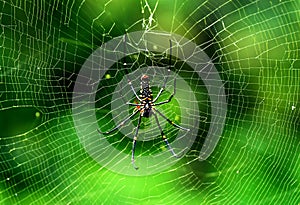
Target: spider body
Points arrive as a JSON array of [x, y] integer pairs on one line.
[[146, 97], [145, 105]]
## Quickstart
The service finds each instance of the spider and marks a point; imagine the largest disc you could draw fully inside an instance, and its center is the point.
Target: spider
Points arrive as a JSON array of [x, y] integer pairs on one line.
[[146, 107]]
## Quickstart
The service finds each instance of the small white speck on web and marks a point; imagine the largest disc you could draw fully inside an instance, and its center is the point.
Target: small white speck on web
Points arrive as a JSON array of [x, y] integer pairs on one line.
[[238, 171], [293, 107], [7, 179]]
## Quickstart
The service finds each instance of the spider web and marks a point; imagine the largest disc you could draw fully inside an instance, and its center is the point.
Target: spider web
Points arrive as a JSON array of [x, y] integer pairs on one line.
[[253, 45]]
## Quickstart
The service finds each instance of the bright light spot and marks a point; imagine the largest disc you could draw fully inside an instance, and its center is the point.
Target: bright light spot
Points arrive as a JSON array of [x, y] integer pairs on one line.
[[177, 118], [162, 147], [293, 107], [155, 47], [107, 76], [37, 114], [238, 171]]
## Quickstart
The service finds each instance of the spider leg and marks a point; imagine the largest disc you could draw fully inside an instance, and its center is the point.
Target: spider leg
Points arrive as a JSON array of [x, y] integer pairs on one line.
[[128, 103], [131, 86], [163, 87], [133, 104], [165, 138], [171, 122], [121, 124], [134, 143], [170, 98], [166, 79]]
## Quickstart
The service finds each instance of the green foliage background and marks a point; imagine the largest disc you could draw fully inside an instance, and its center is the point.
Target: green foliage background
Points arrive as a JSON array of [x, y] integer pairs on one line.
[[253, 44]]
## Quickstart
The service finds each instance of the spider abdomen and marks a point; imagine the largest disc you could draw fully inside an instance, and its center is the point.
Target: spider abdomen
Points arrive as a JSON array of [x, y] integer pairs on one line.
[[147, 97], [146, 111]]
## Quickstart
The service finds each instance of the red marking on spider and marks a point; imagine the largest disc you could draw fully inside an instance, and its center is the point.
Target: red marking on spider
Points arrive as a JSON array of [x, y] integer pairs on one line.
[[136, 102], [145, 77]]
